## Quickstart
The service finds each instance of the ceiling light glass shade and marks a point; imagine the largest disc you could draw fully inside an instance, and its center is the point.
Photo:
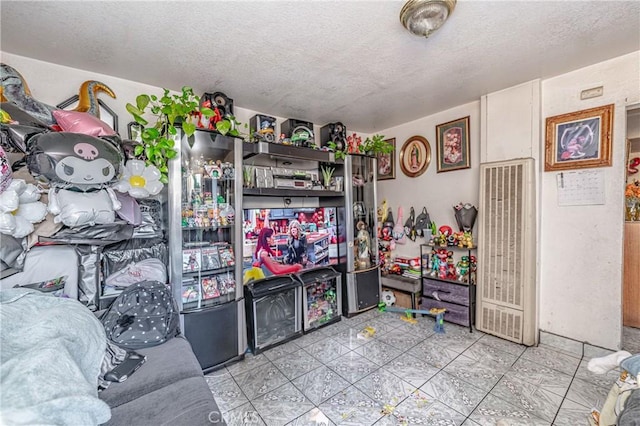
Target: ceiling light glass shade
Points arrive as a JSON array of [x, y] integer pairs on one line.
[[423, 17]]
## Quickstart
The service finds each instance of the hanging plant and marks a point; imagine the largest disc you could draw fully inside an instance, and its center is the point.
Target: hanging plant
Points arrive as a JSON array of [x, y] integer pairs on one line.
[[157, 146]]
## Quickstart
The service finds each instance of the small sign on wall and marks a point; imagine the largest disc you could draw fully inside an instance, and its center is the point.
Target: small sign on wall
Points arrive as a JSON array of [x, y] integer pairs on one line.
[[580, 188]]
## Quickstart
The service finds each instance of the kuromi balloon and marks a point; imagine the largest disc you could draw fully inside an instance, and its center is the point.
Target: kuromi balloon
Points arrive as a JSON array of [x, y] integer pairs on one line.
[[74, 161]]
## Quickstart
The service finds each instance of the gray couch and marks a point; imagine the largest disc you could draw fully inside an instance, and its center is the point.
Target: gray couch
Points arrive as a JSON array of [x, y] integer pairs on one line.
[[168, 389]]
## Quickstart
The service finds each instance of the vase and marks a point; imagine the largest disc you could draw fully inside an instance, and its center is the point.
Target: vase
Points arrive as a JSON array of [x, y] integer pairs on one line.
[[632, 209]]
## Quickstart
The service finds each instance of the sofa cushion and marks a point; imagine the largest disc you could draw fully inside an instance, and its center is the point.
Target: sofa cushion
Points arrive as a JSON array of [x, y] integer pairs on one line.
[[166, 364], [186, 402]]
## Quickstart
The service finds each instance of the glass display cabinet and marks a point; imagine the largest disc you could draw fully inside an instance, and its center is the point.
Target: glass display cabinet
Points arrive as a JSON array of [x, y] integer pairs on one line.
[[205, 187], [362, 289]]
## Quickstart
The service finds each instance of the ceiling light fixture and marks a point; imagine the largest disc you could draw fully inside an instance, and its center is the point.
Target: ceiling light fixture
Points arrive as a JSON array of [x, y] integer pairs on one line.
[[423, 17]]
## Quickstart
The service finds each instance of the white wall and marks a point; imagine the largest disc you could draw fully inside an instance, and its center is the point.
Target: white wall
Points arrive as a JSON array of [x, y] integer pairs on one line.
[[581, 247], [439, 192], [51, 83]]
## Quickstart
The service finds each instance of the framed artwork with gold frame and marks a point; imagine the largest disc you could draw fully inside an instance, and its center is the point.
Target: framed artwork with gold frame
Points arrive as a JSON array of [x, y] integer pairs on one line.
[[579, 140], [415, 156]]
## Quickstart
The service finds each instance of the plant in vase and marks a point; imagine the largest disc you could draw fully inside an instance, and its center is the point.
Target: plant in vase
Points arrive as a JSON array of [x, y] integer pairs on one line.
[[157, 146], [632, 201], [327, 173], [247, 176], [373, 146]]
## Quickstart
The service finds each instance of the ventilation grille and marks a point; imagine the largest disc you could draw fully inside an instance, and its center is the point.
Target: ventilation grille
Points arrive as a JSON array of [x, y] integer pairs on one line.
[[506, 251]]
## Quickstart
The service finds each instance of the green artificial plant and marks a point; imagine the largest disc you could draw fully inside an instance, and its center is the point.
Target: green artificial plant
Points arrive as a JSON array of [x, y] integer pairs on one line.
[[157, 146], [373, 145], [376, 145]]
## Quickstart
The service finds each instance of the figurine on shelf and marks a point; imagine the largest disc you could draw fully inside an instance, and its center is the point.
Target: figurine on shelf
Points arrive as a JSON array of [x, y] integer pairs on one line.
[[466, 240], [363, 240], [462, 268], [440, 263]]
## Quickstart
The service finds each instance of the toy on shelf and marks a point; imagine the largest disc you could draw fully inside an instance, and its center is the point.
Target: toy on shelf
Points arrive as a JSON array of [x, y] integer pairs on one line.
[[462, 269], [438, 313], [465, 216]]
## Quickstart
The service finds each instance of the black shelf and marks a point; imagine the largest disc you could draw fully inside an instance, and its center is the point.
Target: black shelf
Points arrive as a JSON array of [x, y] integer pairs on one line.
[[208, 271], [196, 228], [282, 192], [287, 151], [444, 280]]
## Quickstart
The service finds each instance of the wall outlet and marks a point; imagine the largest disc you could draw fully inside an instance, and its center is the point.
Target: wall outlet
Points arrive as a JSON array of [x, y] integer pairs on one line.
[[592, 93]]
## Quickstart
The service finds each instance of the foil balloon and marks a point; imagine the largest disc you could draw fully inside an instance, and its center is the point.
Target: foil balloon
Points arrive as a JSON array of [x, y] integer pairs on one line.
[[16, 91], [20, 209], [74, 161]]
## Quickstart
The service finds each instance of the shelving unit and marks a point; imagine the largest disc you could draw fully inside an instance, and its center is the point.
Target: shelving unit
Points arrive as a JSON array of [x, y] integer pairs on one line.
[[457, 297], [205, 193]]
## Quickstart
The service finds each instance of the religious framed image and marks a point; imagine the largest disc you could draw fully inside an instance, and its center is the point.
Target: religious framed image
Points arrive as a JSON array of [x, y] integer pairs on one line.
[[387, 162], [452, 146], [415, 156], [579, 140]]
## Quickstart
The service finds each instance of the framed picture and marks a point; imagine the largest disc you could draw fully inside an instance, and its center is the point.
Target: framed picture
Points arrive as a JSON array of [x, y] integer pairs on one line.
[[452, 147], [134, 131], [579, 140], [387, 162], [106, 114], [415, 156]]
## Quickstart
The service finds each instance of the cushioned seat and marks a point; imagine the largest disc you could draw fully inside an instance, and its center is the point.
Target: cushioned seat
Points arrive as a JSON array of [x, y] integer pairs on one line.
[[186, 402], [169, 388]]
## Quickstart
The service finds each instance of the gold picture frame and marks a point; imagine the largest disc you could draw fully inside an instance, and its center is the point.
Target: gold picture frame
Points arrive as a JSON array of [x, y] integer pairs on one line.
[[452, 145], [415, 156], [387, 162], [579, 140]]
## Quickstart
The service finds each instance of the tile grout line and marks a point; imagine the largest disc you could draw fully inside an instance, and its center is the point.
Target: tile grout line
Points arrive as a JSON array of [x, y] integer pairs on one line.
[[564, 398]]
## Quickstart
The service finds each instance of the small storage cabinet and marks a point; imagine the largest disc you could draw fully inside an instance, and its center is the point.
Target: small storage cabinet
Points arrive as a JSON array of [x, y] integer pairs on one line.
[[446, 284], [321, 294]]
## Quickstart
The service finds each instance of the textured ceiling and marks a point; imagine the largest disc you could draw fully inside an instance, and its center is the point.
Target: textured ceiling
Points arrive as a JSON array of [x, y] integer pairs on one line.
[[323, 61]]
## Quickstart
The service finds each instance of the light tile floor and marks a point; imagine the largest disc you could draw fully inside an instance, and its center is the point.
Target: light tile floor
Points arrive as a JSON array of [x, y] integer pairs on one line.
[[405, 375]]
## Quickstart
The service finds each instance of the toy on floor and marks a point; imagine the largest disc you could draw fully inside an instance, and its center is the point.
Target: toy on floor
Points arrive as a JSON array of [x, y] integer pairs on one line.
[[434, 312], [367, 333]]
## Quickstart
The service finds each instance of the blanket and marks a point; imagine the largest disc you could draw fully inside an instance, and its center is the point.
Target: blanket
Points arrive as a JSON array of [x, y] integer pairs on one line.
[[50, 360]]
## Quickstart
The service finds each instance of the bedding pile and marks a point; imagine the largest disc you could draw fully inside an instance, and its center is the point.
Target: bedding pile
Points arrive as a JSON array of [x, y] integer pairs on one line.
[[52, 349]]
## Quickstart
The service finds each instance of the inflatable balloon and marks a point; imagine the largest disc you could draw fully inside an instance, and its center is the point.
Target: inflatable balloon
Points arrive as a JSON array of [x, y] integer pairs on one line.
[[16, 91], [20, 209], [76, 209], [74, 161], [139, 180], [82, 122]]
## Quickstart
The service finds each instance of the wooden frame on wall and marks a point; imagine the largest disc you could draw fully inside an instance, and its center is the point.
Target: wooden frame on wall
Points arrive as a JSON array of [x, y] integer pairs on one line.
[[387, 162], [415, 156], [579, 140], [452, 146]]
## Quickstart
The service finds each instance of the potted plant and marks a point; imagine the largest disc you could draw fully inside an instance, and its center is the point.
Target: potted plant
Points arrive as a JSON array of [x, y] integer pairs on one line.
[[157, 146], [373, 146]]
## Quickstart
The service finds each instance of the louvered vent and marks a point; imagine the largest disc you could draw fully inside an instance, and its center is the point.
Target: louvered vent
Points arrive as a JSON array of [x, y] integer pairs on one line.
[[506, 296]]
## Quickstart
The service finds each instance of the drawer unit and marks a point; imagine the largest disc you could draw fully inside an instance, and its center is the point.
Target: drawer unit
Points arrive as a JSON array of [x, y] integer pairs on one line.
[[457, 314], [456, 296], [446, 291]]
